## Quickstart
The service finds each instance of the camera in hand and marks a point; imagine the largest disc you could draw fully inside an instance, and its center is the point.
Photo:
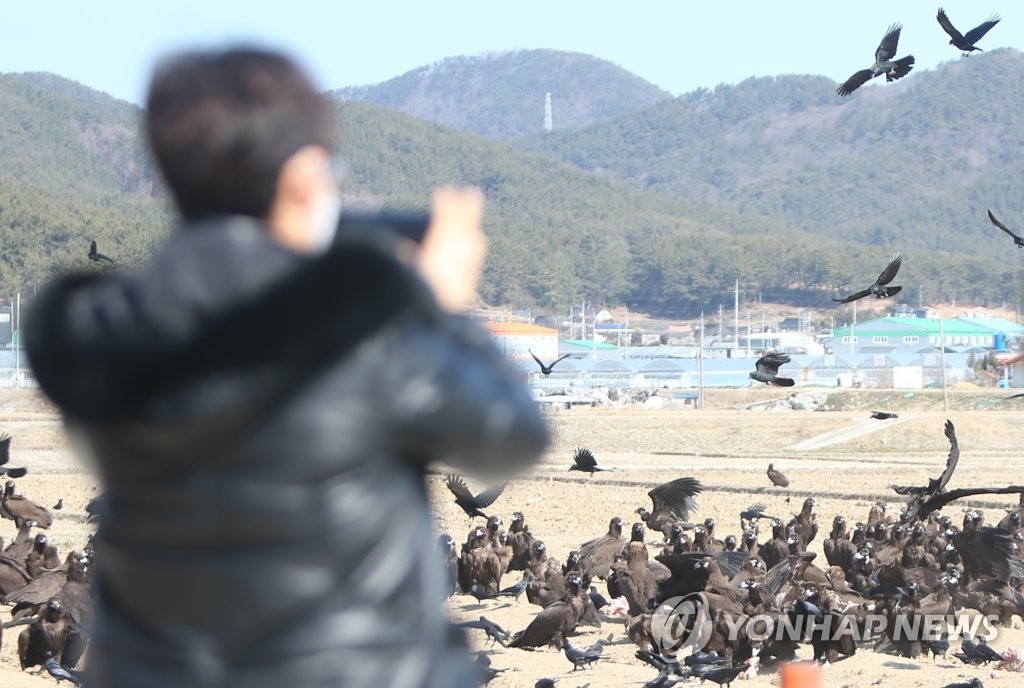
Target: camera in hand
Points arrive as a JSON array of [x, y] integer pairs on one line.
[[403, 226]]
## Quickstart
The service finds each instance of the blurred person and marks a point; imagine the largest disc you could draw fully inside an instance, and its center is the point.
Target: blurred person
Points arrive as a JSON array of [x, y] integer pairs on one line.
[[262, 401]]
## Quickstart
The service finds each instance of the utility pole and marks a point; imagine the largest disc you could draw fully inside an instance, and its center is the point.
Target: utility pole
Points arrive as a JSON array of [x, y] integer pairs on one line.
[[748, 334], [17, 343], [853, 331], [736, 315], [942, 356], [700, 365], [629, 333]]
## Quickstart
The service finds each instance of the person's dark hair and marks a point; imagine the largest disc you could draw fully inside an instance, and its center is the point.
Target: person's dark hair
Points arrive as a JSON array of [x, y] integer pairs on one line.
[[222, 124]]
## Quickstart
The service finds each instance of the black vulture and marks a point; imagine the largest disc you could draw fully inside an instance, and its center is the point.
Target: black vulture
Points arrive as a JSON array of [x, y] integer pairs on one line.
[[776, 476], [672, 503], [1017, 239], [965, 42], [688, 574], [767, 370], [987, 551], [521, 540], [585, 462], [23, 542], [546, 369], [596, 556], [934, 496], [879, 288], [97, 257], [884, 64], [13, 575], [5, 456], [18, 509], [467, 501], [553, 622], [48, 636]]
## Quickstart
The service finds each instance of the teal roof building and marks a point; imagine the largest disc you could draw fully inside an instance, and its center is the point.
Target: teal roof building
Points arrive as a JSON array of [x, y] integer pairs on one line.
[[913, 332]]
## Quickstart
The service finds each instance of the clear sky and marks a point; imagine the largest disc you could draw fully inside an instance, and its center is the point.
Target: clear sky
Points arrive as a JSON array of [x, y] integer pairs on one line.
[[679, 45]]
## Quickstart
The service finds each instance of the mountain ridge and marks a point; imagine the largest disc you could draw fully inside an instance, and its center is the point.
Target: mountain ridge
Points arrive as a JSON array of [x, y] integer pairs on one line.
[[602, 212]]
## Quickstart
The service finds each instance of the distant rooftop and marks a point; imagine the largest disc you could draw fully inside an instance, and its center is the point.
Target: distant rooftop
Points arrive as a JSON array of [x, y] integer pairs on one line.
[[519, 328], [587, 344]]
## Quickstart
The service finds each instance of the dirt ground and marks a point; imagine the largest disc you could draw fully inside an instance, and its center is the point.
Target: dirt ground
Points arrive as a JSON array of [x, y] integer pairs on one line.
[[724, 445]]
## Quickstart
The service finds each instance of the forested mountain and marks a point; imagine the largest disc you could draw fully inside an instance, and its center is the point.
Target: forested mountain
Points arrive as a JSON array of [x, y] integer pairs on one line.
[[912, 164], [72, 169], [558, 234], [502, 95]]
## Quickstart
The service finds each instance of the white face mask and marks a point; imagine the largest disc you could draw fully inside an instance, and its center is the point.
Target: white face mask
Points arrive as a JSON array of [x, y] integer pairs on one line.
[[324, 223]]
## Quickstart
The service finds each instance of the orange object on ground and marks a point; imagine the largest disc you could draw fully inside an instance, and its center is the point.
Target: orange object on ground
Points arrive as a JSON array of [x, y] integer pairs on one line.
[[800, 675]]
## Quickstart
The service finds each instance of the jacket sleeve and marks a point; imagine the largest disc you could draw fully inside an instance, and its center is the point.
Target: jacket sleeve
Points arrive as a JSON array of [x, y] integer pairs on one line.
[[456, 399]]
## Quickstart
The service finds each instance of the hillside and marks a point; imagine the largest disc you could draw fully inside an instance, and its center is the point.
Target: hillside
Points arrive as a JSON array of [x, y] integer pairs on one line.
[[912, 164], [558, 234], [73, 170], [502, 95]]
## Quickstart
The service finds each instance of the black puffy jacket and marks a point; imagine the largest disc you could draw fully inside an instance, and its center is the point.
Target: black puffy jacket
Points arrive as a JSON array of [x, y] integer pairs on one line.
[[261, 422]]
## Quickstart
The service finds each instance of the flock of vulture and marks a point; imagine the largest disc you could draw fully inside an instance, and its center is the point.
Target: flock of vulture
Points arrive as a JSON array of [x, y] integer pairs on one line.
[[885, 572], [49, 597], [894, 69], [917, 563]]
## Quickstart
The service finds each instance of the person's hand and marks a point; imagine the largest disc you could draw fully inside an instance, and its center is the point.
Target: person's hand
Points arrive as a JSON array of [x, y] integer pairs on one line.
[[451, 259]]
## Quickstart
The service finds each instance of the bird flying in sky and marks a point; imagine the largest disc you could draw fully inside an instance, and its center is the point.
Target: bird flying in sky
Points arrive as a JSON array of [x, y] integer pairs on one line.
[[966, 41], [879, 288], [884, 64]]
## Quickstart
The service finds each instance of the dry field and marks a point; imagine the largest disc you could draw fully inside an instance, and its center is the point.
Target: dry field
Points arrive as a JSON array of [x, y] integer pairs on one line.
[[725, 446]]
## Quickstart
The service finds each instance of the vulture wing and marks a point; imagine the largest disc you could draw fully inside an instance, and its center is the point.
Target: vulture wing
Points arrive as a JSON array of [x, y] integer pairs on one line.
[[951, 461], [887, 48], [487, 497], [854, 82], [975, 34], [889, 274], [584, 458], [990, 551], [1000, 225], [948, 27], [676, 497], [939, 501], [459, 488], [854, 297]]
